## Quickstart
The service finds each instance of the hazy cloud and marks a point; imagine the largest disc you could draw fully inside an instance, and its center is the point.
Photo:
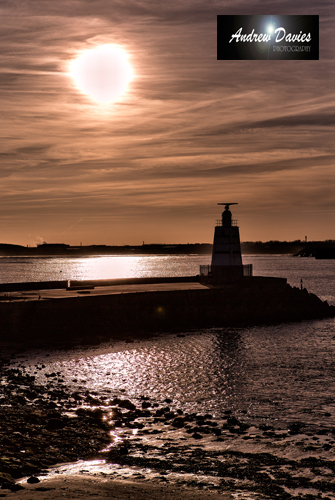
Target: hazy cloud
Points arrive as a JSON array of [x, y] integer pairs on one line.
[[189, 130]]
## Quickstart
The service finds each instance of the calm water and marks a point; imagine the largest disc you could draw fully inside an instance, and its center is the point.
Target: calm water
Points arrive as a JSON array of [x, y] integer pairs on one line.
[[280, 373]]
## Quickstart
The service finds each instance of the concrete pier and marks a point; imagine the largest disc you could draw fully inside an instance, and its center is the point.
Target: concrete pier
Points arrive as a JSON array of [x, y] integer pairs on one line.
[[87, 312]]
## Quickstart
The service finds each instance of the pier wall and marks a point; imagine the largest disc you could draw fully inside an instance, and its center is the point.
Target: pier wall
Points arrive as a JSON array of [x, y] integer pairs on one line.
[[53, 285], [97, 318]]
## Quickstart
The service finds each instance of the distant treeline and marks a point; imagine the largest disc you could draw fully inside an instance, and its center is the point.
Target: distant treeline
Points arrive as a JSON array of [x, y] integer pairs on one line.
[[318, 249], [298, 247], [63, 250]]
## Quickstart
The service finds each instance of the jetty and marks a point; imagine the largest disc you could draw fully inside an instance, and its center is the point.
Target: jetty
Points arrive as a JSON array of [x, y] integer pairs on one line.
[[223, 294]]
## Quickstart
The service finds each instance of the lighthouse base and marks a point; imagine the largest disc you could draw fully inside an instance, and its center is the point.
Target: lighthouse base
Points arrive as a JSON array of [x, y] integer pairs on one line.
[[223, 274]]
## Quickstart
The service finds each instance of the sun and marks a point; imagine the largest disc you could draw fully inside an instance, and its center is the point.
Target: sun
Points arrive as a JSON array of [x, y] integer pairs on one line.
[[270, 28], [103, 73]]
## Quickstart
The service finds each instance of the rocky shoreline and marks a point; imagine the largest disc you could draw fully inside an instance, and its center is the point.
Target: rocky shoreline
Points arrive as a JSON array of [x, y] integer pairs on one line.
[[45, 425]]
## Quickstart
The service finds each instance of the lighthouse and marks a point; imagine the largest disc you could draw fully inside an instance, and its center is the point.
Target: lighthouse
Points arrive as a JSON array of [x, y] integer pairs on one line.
[[226, 257]]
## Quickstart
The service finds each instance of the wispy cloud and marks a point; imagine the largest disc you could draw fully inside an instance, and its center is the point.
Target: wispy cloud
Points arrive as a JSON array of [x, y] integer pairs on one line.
[[189, 130]]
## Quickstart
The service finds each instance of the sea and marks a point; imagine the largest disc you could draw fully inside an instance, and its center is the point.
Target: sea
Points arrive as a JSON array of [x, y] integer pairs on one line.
[[274, 374]]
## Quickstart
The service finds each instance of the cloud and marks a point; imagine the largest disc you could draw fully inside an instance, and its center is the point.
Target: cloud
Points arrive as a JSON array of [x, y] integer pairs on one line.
[[189, 129]]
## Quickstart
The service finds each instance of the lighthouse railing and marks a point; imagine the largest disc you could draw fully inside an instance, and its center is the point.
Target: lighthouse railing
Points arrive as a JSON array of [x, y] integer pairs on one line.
[[247, 269], [206, 270], [233, 223]]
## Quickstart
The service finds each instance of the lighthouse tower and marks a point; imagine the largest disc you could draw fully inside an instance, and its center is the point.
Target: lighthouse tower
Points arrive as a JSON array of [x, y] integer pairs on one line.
[[226, 257]]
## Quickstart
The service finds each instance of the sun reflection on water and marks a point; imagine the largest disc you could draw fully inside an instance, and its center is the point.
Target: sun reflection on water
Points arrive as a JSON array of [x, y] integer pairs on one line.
[[214, 370], [21, 269]]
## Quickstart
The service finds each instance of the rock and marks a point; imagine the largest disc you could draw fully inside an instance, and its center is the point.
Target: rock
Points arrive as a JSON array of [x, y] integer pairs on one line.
[[232, 421], [123, 403], [96, 414], [33, 480], [93, 401], [169, 415], [29, 469], [118, 452], [295, 427], [128, 405], [55, 424], [196, 435], [137, 425], [178, 422], [6, 478]]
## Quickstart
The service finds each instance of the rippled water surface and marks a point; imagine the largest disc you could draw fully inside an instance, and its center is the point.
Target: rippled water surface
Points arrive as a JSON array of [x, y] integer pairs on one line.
[[43, 269], [279, 372]]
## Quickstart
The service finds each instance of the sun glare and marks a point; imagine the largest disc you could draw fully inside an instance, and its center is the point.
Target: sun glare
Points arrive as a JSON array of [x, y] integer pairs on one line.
[[270, 28], [102, 73]]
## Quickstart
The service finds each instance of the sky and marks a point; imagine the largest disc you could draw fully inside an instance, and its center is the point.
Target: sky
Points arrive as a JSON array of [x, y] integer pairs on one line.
[[189, 131]]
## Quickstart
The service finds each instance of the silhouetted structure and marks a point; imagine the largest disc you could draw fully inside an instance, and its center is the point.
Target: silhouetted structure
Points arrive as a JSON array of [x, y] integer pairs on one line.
[[226, 255]]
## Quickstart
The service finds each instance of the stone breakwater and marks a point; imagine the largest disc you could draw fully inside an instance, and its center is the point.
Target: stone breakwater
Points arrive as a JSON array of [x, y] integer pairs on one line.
[[42, 425], [99, 317]]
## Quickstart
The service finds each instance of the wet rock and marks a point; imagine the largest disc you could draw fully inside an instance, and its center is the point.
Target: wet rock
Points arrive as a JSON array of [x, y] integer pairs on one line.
[[270, 434], [31, 395], [93, 401], [29, 469], [169, 415], [33, 480], [12, 487], [327, 447], [265, 427], [232, 421], [295, 427], [178, 422], [137, 425], [128, 405], [117, 453], [51, 404], [5, 479], [235, 430], [55, 424], [166, 409]]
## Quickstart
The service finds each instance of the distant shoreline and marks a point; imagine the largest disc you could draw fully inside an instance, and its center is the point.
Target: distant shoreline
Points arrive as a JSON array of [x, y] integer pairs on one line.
[[298, 247]]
